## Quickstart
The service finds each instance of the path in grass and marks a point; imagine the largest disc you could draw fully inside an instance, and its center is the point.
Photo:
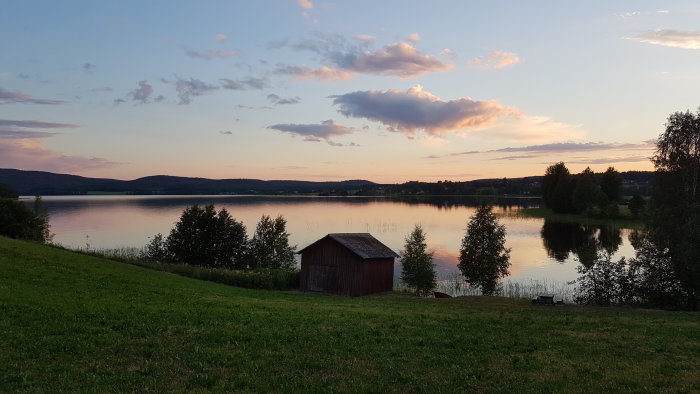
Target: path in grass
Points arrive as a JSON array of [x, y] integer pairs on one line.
[[71, 322]]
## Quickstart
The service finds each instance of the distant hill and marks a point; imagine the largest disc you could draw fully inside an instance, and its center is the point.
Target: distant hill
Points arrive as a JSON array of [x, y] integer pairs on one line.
[[47, 183]]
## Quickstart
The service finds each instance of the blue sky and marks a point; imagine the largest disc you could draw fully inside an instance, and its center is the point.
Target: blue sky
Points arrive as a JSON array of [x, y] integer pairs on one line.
[[388, 91]]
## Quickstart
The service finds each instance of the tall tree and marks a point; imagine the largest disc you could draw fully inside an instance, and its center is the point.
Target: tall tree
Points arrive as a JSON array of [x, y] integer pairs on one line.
[[557, 187], [418, 271], [269, 247], [483, 257], [587, 194], [19, 221], [675, 206], [611, 184]]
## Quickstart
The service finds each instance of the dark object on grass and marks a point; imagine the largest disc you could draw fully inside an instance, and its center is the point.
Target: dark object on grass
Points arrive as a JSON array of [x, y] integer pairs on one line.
[[546, 299], [438, 294]]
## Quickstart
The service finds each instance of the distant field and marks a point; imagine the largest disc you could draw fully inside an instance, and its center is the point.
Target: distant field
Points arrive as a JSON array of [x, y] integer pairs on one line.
[[70, 322]]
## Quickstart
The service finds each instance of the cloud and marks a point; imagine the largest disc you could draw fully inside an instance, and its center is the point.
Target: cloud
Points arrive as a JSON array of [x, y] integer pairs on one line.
[[447, 52], [16, 97], [343, 58], [401, 59], [29, 154], [322, 73], [415, 37], [22, 149], [210, 54], [245, 84], [277, 100], [306, 4], [670, 38], [142, 93], [89, 68], [416, 109], [633, 14], [221, 37], [557, 148], [6, 133], [612, 160], [495, 59], [567, 147], [523, 128], [364, 37], [188, 89], [315, 132], [227, 132], [119, 101], [35, 124]]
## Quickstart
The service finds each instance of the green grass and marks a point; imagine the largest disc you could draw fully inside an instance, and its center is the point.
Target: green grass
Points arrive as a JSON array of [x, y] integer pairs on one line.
[[71, 322], [625, 220]]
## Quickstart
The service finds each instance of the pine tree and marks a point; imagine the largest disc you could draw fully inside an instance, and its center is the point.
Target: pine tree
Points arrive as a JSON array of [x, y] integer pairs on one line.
[[483, 258], [418, 270]]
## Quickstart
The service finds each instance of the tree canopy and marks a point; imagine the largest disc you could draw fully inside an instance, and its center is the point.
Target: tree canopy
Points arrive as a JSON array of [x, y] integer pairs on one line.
[[418, 271], [205, 237], [269, 247], [483, 257]]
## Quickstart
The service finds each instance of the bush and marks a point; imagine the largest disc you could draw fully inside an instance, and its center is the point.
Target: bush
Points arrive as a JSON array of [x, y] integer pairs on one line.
[[18, 221]]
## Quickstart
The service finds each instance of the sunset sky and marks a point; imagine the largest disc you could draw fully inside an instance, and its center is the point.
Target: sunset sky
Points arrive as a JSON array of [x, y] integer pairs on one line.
[[389, 91]]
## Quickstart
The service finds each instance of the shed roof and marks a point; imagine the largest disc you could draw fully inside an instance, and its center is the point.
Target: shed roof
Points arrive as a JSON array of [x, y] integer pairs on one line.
[[362, 244]]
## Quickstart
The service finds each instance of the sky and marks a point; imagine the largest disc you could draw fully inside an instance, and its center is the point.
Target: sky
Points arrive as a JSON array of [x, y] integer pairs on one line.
[[388, 91]]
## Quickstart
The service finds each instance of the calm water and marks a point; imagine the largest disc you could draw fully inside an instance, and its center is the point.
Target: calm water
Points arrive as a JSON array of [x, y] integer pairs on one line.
[[542, 251]]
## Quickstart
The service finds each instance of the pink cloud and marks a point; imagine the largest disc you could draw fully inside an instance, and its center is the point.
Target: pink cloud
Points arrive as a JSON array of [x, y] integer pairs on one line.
[[322, 73], [16, 97], [29, 154], [416, 109], [316, 132], [495, 59], [306, 4]]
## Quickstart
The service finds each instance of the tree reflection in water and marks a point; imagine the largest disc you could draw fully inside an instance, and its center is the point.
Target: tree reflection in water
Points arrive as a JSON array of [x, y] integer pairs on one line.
[[583, 240]]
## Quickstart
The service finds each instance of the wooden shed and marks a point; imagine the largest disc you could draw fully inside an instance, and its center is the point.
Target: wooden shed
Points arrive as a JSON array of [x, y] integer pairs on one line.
[[350, 264]]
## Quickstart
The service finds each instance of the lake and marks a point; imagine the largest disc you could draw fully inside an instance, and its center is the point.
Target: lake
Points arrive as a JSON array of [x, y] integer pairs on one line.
[[540, 250]]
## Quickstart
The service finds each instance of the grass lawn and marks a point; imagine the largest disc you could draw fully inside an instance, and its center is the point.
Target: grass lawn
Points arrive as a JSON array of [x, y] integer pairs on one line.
[[70, 322]]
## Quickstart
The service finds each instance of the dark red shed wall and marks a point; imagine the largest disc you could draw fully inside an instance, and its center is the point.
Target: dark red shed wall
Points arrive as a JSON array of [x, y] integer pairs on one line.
[[329, 267]]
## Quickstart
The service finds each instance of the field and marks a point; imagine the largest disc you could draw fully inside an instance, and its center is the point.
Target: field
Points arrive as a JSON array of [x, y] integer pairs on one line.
[[71, 322]]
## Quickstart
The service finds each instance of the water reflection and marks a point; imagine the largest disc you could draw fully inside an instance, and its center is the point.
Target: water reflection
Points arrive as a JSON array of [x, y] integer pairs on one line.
[[117, 221], [584, 241]]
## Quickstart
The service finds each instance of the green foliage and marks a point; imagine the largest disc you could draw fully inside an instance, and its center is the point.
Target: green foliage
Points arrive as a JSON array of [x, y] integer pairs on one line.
[[418, 270], [648, 279], [611, 184], [85, 324], [483, 257], [18, 221], [674, 212], [636, 205], [557, 186], [156, 249], [206, 238], [587, 196], [604, 282], [269, 247], [7, 192]]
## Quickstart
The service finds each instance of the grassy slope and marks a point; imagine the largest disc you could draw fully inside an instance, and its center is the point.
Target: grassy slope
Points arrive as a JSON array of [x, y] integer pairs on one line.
[[72, 322]]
